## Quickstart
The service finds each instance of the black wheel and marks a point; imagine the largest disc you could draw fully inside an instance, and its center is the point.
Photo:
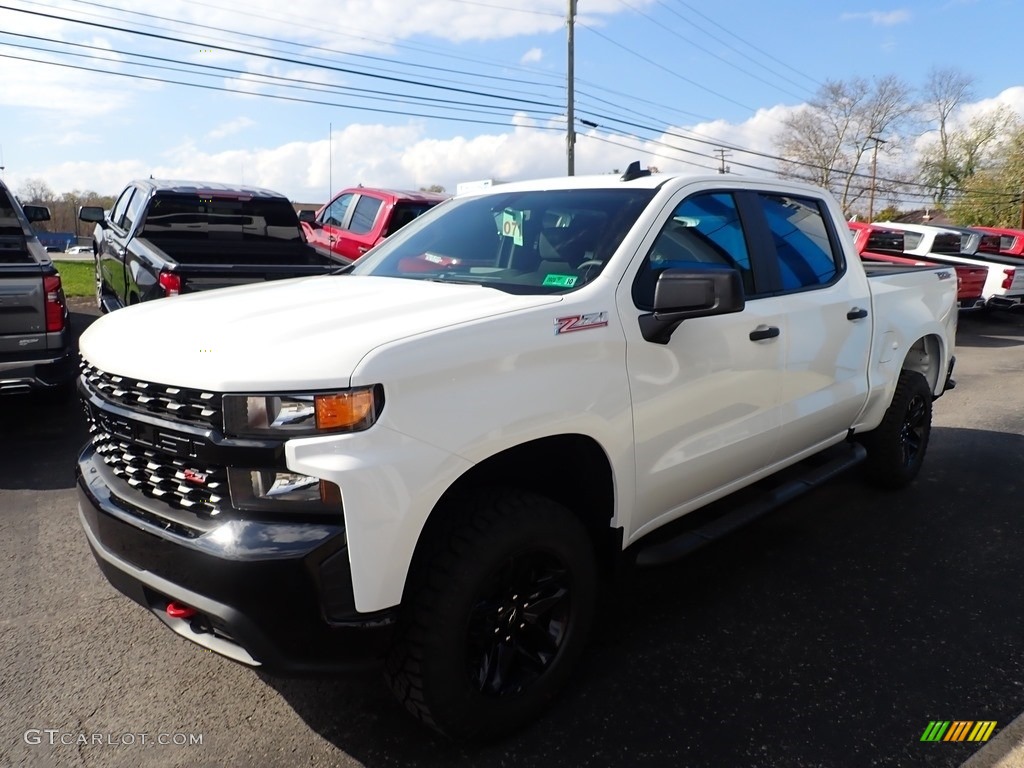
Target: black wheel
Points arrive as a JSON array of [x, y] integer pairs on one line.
[[896, 447], [495, 619]]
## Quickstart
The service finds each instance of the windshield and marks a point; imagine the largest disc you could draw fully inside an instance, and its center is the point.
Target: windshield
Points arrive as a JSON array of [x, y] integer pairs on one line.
[[520, 242]]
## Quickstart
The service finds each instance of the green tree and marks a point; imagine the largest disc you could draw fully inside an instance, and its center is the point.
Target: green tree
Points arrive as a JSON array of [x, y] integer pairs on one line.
[[994, 195]]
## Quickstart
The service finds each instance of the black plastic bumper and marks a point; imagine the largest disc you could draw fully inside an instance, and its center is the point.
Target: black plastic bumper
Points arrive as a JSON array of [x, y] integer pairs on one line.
[[44, 371], [271, 595]]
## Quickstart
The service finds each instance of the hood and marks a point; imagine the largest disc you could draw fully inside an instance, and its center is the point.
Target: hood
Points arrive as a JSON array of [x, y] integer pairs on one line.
[[308, 333]]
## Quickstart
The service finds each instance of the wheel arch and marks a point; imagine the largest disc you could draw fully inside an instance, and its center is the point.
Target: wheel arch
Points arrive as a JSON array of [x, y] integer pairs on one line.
[[925, 356], [571, 469]]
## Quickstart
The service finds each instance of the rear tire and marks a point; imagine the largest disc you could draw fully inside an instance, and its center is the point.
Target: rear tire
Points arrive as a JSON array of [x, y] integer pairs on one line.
[[897, 446], [495, 618], [99, 285]]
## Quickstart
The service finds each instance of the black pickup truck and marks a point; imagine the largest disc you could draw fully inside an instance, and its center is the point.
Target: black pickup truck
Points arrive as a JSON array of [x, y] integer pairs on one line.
[[35, 339], [164, 238]]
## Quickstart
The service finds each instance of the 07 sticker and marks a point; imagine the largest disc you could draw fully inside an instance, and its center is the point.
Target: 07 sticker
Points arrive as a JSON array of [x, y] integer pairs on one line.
[[581, 322]]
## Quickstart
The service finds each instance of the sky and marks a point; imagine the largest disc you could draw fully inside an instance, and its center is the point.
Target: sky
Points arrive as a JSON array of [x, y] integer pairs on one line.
[[307, 98]]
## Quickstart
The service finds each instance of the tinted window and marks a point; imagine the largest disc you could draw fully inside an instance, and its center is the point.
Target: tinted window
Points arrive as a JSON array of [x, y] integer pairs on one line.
[[365, 214], [802, 245], [221, 218], [135, 207], [703, 229], [334, 214], [403, 213], [549, 241], [121, 205]]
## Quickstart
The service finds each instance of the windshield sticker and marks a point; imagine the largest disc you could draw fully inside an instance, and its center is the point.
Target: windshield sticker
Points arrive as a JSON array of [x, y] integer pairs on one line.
[[581, 322], [562, 281], [512, 225]]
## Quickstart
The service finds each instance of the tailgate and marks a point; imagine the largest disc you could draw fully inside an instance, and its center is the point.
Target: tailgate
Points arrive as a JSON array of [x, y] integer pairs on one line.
[[196, 277], [22, 309]]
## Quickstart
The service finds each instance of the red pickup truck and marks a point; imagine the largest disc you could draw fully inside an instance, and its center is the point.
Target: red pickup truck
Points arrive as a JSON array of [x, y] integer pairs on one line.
[[878, 244], [1011, 241], [360, 217]]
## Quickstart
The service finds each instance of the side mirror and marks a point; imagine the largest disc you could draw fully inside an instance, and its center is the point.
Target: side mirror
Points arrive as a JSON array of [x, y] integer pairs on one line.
[[36, 212], [683, 294], [308, 217], [92, 213]]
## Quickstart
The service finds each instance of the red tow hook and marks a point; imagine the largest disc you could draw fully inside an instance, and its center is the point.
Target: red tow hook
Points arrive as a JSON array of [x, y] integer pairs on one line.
[[179, 611]]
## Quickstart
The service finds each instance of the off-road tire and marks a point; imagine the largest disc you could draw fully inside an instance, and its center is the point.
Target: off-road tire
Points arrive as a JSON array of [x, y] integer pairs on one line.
[[499, 549], [897, 446]]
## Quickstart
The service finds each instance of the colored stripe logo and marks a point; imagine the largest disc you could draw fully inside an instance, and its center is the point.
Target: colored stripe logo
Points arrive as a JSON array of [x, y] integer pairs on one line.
[[958, 730]]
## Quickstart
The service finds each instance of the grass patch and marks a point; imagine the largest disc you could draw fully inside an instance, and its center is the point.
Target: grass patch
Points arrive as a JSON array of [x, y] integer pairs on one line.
[[77, 277]]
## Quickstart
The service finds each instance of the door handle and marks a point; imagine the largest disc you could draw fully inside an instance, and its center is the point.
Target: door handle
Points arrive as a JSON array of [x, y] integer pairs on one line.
[[857, 313], [362, 249], [764, 332]]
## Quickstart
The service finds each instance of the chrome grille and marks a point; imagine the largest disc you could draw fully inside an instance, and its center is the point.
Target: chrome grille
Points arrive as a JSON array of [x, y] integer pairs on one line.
[[180, 483], [192, 406]]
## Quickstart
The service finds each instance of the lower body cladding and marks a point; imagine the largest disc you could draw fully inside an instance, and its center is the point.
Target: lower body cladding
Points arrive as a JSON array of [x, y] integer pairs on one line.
[[277, 595]]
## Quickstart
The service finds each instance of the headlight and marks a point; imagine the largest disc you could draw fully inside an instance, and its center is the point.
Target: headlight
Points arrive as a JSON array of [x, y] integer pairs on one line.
[[297, 415]]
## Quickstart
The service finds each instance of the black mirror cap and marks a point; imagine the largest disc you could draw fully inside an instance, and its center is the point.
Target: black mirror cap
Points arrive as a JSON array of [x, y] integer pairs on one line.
[[92, 213], [684, 294], [36, 212], [307, 216]]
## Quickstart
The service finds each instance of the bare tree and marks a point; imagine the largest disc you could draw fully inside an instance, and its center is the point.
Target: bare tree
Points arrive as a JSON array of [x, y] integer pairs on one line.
[[35, 192], [944, 93], [831, 139]]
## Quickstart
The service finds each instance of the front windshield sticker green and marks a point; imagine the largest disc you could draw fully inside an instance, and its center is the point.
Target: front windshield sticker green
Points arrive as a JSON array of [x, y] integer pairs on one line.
[[562, 281], [512, 225]]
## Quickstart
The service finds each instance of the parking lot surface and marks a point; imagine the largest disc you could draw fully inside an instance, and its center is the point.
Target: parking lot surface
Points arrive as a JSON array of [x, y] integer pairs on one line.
[[828, 634]]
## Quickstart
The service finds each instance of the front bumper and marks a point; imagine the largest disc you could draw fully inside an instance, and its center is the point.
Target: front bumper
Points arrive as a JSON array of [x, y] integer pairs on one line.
[[277, 595]]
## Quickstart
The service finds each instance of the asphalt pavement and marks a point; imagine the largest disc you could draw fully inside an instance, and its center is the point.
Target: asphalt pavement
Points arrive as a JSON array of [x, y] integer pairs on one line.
[[830, 633]]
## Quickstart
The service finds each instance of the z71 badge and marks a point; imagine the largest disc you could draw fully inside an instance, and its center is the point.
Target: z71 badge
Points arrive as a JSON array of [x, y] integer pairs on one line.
[[581, 322]]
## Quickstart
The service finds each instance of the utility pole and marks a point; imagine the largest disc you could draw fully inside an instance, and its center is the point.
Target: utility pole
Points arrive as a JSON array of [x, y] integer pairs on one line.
[[570, 116], [722, 153], [874, 170]]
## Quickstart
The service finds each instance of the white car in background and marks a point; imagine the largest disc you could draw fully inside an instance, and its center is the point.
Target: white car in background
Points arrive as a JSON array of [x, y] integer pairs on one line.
[[79, 249]]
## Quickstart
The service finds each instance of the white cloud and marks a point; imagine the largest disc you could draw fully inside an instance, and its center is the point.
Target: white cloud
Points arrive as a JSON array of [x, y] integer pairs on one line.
[[879, 18], [532, 56], [230, 127]]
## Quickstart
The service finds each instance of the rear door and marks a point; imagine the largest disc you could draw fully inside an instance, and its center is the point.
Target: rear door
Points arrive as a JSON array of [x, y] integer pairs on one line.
[[828, 310], [112, 253]]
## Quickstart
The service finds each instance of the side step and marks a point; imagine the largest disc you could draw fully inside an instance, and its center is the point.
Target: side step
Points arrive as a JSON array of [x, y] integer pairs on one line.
[[667, 551]]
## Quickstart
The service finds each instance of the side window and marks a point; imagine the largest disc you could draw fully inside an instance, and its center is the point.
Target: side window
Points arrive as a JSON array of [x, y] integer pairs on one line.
[[704, 229], [334, 214], [135, 207], [120, 206], [802, 245], [911, 240], [365, 214]]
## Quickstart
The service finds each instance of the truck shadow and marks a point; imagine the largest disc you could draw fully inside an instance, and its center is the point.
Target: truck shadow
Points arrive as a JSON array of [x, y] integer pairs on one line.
[[828, 633], [41, 435], [990, 329]]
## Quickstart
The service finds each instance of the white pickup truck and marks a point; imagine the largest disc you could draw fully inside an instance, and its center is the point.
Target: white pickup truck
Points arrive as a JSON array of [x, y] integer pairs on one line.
[[439, 455], [1004, 285]]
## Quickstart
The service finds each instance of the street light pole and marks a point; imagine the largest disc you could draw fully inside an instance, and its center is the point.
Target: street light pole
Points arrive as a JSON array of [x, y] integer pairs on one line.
[[570, 116], [874, 171]]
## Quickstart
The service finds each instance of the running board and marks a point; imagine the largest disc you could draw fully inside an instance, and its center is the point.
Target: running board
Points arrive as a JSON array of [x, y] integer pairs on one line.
[[668, 551]]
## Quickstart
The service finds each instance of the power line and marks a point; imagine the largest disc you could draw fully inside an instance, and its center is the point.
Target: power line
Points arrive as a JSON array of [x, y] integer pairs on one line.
[[284, 59], [700, 47], [283, 81], [278, 97]]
